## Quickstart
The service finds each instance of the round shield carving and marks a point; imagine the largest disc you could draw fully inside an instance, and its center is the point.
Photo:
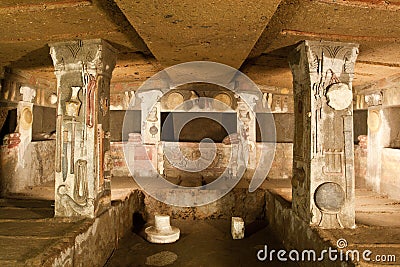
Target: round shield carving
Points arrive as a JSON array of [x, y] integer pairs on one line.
[[374, 120], [174, 99], [339, 96], [26, 118], [329, 197], [222, 100]]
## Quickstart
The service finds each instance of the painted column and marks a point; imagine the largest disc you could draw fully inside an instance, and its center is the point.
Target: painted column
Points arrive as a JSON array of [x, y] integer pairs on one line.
[[82, 181], [323, 159]]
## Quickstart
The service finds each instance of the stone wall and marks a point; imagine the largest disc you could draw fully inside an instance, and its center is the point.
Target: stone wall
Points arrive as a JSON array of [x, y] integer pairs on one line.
[[44, 122], [117, 153], [383, 148], [238, 202], [296, 233], [191, 152], [390, 173], [95, 241], [281, 166], [360, 165], [32, 168]]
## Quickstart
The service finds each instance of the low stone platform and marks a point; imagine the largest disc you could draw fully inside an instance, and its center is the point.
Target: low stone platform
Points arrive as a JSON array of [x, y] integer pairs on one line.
[[29, 235], [377, 220], [238, 202]]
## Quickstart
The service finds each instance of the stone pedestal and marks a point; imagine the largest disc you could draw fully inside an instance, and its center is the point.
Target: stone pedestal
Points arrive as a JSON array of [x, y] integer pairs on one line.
[[83, 70], [162, 232], [237, 228], [323, 159], [25, 121], [24, 128]]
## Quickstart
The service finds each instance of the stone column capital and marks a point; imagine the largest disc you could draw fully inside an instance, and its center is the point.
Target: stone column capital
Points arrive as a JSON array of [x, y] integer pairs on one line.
[[324, 58], [28, 93], [95, 55], [374, 99]]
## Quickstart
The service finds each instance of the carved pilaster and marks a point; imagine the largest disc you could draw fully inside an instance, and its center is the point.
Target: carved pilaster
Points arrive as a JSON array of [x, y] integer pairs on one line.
[[323, 178], [151, 131], [246, 127], [83, 70], [378, 138], [25, 113]]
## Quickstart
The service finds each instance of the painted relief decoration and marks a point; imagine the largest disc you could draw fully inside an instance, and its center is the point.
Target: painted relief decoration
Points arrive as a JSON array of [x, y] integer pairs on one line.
[[323, 178], [83, 70]]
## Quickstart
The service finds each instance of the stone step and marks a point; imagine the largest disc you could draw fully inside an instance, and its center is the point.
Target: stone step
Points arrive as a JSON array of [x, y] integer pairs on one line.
[[26, 203]]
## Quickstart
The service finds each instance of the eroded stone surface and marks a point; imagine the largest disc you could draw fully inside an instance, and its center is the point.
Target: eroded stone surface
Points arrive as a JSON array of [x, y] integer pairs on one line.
[[237, 228], [162, 258], [37, 167], [238, 202]]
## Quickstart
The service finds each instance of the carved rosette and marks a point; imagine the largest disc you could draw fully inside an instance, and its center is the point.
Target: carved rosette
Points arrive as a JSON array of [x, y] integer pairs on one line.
[[323, 178]]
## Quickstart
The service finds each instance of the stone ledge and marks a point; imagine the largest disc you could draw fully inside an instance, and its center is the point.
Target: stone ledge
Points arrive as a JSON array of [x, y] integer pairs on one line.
[[93, 241], [296, 233]]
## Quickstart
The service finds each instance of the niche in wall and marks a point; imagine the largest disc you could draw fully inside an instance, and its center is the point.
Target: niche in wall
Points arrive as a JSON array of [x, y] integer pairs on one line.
[[44, 123], [360, 123], [10, 124], [392, 115], [284, 125], [117, 122], [195, 126]]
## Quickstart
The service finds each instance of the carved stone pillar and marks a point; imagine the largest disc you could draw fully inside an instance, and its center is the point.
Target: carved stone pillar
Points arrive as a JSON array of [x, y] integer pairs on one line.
[[25, 120], [83, 70], [246, 127], [378, 138], [323, 177], [147, 153]]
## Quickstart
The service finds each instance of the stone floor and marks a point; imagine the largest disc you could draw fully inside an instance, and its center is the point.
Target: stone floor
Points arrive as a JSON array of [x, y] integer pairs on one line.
[[120, 187], [377, 220], [28, 229], [373, 209], [202, 243]]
